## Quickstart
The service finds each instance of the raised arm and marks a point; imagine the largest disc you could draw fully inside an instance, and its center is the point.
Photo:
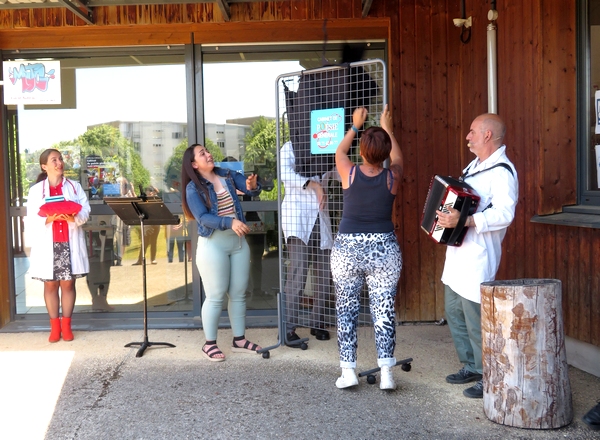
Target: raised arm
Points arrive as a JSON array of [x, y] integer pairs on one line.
[[342, 161], [396, 159]]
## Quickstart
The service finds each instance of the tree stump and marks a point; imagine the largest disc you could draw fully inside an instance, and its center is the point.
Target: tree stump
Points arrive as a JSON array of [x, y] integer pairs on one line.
[[525, 373]]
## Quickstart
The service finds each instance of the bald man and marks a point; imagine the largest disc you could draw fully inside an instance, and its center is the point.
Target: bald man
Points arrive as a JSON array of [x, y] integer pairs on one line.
[[494, 178]]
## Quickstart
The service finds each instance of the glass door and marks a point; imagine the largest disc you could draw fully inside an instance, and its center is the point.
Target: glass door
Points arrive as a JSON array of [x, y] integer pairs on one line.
[[120, 126], [240, 105]]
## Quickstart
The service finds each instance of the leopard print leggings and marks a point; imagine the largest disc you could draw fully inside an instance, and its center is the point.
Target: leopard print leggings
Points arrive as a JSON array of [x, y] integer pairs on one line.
[[375, 258]]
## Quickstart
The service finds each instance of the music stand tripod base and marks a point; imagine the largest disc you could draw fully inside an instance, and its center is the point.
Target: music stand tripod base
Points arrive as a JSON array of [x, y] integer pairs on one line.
[[146, 344]]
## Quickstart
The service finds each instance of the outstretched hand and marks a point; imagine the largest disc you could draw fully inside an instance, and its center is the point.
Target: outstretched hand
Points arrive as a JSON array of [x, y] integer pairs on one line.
[[251, 180], [386, 119], [359, 117]]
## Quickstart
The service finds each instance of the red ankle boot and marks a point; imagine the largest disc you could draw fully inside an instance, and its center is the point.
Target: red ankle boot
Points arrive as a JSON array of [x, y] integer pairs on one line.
[[54, 330], [67, 334]]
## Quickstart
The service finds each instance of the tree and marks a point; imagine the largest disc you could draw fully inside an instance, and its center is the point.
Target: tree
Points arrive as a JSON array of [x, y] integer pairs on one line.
[[108, 143], [261, 153], [261, 143]]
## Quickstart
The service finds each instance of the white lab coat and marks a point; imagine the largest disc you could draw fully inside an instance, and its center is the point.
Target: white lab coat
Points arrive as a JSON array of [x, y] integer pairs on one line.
[[39, 234], [478, 258], [300, 206]]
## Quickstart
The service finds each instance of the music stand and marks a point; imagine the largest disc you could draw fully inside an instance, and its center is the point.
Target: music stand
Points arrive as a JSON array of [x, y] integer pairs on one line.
[[142, 210]]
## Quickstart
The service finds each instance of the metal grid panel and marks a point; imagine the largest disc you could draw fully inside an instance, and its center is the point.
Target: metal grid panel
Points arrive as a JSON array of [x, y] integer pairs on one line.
[[307, 291]]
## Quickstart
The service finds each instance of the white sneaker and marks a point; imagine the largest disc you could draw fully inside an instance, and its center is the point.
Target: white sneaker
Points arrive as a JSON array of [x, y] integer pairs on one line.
[[347, 379], [387, 379]]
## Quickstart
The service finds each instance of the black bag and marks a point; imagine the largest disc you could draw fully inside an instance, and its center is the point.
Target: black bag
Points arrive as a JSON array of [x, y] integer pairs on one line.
[[345, 87]]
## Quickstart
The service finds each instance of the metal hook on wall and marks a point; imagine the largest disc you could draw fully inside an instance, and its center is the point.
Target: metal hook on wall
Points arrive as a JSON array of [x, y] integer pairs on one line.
[[465, 35], [464, 23]]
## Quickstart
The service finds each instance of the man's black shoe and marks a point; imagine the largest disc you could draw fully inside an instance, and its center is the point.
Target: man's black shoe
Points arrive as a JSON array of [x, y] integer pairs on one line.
[[320, 334], [476, 391], [290, 337], [592, 417], [463, 376]]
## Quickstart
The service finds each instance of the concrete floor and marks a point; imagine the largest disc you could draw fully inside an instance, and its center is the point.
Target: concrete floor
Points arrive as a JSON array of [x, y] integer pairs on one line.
[[95, 388]]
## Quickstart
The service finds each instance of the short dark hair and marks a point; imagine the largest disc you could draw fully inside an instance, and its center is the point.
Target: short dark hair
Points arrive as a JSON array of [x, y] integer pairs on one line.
[[375, 145]]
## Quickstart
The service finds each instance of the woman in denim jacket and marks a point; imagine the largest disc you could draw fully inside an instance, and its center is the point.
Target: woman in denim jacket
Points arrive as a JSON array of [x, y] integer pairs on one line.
[[222, 255]]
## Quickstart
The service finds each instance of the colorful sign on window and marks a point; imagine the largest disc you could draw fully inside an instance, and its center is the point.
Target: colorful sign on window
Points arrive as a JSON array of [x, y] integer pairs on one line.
[[31, 82]]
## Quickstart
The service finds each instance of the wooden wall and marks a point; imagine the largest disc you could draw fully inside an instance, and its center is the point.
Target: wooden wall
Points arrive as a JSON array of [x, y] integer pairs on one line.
[[438, 84]]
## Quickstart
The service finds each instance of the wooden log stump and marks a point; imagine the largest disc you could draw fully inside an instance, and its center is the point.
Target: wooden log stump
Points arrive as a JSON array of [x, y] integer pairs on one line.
[[525, 373]]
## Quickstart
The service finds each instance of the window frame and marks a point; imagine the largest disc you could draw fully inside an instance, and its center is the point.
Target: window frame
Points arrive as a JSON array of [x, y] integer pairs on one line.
[[586, 196]]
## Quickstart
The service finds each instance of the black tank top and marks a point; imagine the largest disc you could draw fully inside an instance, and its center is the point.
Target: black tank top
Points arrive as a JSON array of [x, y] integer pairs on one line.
[[368, 204]]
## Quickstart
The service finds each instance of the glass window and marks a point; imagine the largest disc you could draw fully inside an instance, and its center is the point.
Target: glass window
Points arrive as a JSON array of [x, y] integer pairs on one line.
[[122, 128], [120, 124]]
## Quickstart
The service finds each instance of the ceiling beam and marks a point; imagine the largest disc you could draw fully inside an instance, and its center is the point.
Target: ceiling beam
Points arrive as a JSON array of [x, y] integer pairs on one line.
[[224, 7], [82, 8], [78, 8]]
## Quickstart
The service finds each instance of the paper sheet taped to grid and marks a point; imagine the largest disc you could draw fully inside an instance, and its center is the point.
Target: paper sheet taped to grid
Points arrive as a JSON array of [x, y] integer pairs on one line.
[[314, 111]]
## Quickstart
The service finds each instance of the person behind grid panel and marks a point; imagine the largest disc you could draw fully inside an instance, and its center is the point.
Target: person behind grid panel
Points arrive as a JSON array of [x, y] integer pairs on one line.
[[222, 253], [307, 230], [366, 248]]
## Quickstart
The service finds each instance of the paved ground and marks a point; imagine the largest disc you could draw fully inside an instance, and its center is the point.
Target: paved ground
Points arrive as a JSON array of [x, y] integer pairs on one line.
[[95, 388]]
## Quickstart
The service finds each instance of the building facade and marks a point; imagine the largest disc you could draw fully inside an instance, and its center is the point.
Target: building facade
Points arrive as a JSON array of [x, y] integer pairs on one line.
[[438, 82]]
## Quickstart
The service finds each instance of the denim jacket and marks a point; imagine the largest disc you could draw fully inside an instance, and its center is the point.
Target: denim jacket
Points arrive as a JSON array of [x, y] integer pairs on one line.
[[208, 220]]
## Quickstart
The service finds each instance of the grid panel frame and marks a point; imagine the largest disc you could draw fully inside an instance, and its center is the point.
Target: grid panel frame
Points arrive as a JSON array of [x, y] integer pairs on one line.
[[306, 288]]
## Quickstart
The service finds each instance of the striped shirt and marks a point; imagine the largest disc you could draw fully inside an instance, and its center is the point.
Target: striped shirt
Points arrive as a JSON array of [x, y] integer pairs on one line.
[[225, 207]]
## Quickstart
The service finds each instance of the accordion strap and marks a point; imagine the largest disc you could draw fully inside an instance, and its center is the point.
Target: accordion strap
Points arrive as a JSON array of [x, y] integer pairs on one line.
[[501, 164], [465, 175]]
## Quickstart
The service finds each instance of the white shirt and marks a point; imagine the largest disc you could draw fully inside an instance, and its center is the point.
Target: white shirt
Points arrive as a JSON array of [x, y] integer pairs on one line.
[[478, 258], [300, 207], [39, 234]]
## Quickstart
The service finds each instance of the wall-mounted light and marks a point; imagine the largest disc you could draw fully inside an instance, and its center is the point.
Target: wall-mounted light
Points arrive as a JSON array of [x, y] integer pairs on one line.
[[460, 22]]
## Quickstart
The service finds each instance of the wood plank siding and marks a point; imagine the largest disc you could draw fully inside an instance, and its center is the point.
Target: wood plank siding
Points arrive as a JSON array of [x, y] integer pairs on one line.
[[438, 84]]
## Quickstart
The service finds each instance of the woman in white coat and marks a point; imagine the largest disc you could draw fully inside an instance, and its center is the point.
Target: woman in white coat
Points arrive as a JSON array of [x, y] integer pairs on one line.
[[58, 249]]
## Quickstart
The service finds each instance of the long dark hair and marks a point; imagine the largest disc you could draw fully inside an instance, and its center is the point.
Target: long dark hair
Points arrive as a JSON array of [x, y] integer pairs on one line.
[[43, 161], [189, 174]]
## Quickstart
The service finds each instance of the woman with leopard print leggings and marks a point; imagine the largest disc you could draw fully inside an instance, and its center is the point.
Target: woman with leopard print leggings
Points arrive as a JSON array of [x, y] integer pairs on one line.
[[366, 248]]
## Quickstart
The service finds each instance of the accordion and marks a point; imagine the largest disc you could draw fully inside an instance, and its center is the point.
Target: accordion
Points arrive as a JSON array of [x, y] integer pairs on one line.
[[445, 192]]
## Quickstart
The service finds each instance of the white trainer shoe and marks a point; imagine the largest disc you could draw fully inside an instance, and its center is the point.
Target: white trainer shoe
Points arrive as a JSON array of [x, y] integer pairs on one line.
[[347, 379], [387, 379]]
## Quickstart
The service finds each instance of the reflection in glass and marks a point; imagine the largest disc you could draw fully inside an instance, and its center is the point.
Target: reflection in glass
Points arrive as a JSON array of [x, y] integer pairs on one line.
[[120, 139]]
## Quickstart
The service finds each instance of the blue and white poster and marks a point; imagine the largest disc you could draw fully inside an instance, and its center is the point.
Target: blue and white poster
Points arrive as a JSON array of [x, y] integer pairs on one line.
[[326, 130], [597, 111], [32, 82]]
